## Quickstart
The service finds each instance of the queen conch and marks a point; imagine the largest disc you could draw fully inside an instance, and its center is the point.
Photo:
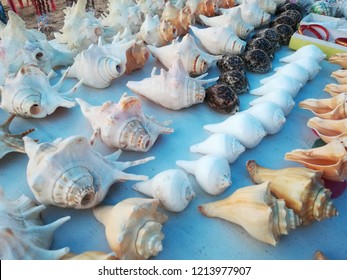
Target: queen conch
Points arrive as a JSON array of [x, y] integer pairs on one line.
[[301, 188], [173, 89], [329, 130], [23, 235], [133, 227], [123, 125], [171, 187], [254, 208], [69, 173], [30, 94]]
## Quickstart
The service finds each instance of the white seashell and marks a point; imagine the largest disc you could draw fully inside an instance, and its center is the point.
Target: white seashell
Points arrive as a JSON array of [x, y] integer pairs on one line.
[[194, 60], [219, 40], [270, 116], [211, 172], [173, 89], [280, 82], [133, 227], [30, 94], [292, 70], [306, 51], [279, 96], [253, 14], [171, 187], [70, 173], [123, 125], [243, 126], [220, 144], [23, 235], [268, 6], [204, 7], [155, 7], [90, 255]]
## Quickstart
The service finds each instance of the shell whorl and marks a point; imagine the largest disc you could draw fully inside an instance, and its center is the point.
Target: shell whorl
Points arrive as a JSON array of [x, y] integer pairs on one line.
[[148, 241], [27, 102], [110, 69], [134, 135]]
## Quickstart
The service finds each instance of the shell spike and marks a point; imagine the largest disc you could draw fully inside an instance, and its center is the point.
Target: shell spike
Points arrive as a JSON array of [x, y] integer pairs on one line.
[[114, 156], [122, 176], [50, 228], [34, 212], [86, 108], [51, 75], [73, 89], [188, 166], [5, 126], [58, 85], [57, 254], [127, 164], [30, 146]]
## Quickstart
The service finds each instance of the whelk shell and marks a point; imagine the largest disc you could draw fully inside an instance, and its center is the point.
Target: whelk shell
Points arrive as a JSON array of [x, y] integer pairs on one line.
[[328, 130]]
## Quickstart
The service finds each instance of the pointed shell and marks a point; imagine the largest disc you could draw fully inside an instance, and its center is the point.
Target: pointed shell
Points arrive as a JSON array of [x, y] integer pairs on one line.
[[340, 59], [136, 57], [334, 89], [306, 51], [329, 130], [340, 76], [254, 15]]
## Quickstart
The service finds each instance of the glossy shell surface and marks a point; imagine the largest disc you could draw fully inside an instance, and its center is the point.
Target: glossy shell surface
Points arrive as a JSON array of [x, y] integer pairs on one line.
[[285, 32], [262, 44], [231, 62], [222, 98], [257, 61], [271, 34], [236, 80]]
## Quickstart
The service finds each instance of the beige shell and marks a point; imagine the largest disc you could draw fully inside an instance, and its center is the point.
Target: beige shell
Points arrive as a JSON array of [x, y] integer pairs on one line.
[[23, 234], [133, 227], [318, 255], [331, 159], [340, 59], [301, 188], [154, 7], [263, 216], [226, 4], [340, 76], [90, 255], [205, 7], [334, 89], [328, 130]]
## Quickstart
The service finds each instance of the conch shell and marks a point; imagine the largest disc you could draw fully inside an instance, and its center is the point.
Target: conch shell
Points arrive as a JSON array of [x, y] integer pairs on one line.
[[306, 51], [123, 125], [133, 227], [171, 187], [340, 59], [334, 89], [205, 7], [173, 89], [340, 76], [211, 172], [11, 142], [263, 216], [301, 188], [30, 94], [90, 255], [22, 232], [330, 159], [292, 70], [328, 130], [70, 173], [268, 6], [253, 14], [154, 7]]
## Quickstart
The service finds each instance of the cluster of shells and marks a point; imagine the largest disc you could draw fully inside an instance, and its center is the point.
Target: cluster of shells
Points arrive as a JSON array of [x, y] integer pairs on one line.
[[71, 173]]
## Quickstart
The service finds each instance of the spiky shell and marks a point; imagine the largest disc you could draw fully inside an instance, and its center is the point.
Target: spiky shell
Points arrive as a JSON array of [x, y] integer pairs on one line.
[[231, 62], [257, 61], [222, 98], [236, 80]]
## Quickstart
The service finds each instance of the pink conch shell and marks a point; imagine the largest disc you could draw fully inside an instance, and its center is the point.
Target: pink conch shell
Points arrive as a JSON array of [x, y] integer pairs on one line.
[[334, 89], [340, 76], [123, 125], [340, 59], [328, 130]]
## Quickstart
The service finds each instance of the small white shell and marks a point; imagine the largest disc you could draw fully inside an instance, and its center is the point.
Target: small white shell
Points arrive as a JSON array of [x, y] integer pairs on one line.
[[306, 51], [292, 70]]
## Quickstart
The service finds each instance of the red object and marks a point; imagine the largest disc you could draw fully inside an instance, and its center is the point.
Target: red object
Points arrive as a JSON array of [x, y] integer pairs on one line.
[[20, 2], [313, 29], [336, 188], [12, 6], [341, 41], [54, 7]]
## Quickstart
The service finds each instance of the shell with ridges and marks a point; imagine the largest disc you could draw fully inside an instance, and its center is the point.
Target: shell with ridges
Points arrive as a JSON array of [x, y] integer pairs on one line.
[[340, 76], [253, 14], [205, 7], [328, 130], [334, 89], [306, 51], [340, 59]]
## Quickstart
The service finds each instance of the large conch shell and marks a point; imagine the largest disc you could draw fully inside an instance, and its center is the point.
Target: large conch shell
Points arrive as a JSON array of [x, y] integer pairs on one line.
[[171, 187], [194, 60], [133, 227], [81, 29], [328, 130], [334, 89], [211, 172], [22, 232], [263, 216], [301, 188], [327, 108], [340, 59], [243, 126], [268, 6], [253, 14], [205, 7], [306, 51], [70, 173], [330, 159], [11, 142], [123, 125], [292, 70], [173, 89], [90, 255], [340, 76], [219, 40], [30, 94]]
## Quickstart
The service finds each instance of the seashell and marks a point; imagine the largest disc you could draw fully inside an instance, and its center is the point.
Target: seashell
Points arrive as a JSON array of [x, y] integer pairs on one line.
[[70, 173], [328, 108], [318, 255], [123, 125], [81, 29], [268, 6], [306, 51], [309, 64], [301, 188], [243, 126], [294, 14], [225, 4], [231, 62], [222, 98], [257, 61], [340, 59], [328, 130], [219, 40], [262, 44], [237, 80], [283, 19], [11, 142], [334, 89], [285, 32], [155, 7], [204, 7], [278, 96], [270, 116], [287, 83], [270, 34], [220, 144], [133, 227], [194, 60], [90, 255], [340, 76], [30, 94], [253, 14], [173, 89], [263, 216], [171, 187], [331, 159], [23, 234], [211, 172], [288, 7]]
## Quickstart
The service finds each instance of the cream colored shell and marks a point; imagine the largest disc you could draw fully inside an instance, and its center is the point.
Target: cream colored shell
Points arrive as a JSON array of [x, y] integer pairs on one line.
[[334, 89], [340, 76], [340, 59], [306, 51], [329, 130]]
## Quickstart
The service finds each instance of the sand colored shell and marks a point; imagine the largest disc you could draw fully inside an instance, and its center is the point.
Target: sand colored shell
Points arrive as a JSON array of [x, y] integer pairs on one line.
[[257, 61], [301, 188], [254, 208], [310, 64], [340, 76], [339, 59], [123, 125], [69, 173], [318, 255], [236, 80], [90, 255], [225, 4], [334, 89], [329, 130], [222, 98], [262, 44], [306, 51], [133, 227], [292, 70], [23, 235], [231, 62]]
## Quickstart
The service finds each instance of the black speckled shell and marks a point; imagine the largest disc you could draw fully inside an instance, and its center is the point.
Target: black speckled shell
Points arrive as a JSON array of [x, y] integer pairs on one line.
[[283, 19], [230, 62], [262, 44], [223, 99], [285, 32], [294, 14], [289, 6], [236, 80], [257, 61], [270, 34]]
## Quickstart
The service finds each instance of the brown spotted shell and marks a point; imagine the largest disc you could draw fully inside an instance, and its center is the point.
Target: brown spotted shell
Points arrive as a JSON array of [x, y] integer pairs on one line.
[[263, 44], [294, 14], [223, 99], [236, 80], [289, 6], [231, 62], [257, 61], [283, 19], [271, 34], [285, 32]]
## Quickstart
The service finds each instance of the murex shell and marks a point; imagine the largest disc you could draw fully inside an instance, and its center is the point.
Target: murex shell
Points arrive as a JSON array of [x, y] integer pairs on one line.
[[123, 125], [22, 232], [69, 173]]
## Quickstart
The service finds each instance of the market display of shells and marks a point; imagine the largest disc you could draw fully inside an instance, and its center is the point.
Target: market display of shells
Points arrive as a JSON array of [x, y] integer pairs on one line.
[[270, 34], [236, 80], [231, 62], [285, 32], [262, 44], [257, 61]]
